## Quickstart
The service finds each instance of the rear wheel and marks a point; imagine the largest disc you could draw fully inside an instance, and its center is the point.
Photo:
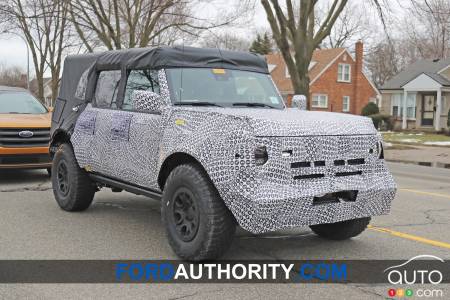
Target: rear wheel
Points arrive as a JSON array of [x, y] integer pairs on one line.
[[198, 224], [341, 230], [72, 187]]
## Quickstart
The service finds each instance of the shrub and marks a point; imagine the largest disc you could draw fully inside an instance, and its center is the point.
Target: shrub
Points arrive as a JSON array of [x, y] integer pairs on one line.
[[448, 119], [384, 122], [448, 123], [370, 109]]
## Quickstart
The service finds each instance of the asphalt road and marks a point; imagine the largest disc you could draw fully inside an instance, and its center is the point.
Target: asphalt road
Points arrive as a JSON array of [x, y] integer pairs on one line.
[[125, 226]]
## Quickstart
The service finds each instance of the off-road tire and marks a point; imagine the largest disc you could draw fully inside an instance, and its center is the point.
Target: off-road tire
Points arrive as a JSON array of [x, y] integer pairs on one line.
[[341, 230], [79, 190], [216, 224]]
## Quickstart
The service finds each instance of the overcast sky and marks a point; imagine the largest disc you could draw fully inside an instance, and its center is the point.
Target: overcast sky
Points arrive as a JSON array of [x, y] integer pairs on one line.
[[13, 49]]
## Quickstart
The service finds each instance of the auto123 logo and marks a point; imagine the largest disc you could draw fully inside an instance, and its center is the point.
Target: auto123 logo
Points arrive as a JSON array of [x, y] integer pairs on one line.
[[407, 274]]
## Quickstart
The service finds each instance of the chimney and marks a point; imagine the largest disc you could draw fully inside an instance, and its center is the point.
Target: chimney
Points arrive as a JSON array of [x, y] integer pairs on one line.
[[359, 50], [357, 77]]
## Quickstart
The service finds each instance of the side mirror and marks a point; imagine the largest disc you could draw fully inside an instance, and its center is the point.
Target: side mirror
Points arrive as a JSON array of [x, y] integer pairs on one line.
[[299, 101], [147, 101], [50, 108]]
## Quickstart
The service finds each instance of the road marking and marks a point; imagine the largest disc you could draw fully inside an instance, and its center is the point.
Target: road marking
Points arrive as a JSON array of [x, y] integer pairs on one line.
[[410, 237], [426, 193]]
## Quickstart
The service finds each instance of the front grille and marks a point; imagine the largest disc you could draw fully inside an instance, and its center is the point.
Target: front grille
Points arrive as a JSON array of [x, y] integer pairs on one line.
[[9, 137], [312, 165], [24, 159]]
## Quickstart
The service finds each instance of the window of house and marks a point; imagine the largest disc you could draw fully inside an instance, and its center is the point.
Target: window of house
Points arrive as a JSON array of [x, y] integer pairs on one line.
[[106, 90], [320, 101], [411, 106], [141, 80], [344, 71], [397, 105], [346, 103]]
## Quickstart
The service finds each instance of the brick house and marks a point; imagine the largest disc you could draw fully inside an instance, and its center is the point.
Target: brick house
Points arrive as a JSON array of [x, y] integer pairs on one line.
[[337, 80]]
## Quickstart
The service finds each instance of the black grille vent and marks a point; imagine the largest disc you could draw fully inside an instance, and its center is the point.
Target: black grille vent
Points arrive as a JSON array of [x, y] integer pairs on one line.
[[310, 165], [342, 174], [358, 161], [9, 137], [302, 164], [309, 176]]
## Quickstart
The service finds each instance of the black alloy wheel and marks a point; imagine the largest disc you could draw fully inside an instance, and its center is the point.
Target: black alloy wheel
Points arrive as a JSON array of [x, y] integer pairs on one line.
[[185, 213]]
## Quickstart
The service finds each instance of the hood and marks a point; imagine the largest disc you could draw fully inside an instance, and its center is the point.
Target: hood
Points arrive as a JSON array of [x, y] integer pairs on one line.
[[295, 122], [25, 120]]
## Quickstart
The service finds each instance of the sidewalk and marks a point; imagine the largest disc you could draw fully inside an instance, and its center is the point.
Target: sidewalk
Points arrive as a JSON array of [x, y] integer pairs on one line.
[[418, 154]]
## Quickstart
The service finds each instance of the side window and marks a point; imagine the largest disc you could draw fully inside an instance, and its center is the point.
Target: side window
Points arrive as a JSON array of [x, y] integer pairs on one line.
[[142, 80], [82, 84], [106, 90]]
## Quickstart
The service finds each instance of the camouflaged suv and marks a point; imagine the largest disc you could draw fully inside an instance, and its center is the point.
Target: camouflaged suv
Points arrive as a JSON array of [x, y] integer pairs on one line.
[[207, 133]]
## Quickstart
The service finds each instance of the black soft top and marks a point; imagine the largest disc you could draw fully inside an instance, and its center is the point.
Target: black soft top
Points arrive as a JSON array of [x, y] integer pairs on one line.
[[68, 106], [181, 57]]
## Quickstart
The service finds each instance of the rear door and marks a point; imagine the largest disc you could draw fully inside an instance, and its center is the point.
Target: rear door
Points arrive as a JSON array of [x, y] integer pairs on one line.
[[103, 148]]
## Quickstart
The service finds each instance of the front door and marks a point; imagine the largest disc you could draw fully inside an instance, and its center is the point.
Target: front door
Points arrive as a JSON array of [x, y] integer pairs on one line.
[[428, 109]]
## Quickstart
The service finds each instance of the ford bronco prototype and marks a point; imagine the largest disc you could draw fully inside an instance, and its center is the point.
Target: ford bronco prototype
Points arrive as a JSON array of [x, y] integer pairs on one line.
[[207, 132]]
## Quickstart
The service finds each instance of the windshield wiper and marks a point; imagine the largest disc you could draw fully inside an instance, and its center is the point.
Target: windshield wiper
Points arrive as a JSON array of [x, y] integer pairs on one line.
[[252, 104], [197, 103]]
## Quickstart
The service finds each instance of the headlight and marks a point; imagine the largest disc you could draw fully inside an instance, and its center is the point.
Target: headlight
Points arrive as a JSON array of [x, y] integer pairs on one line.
[[261, 155]]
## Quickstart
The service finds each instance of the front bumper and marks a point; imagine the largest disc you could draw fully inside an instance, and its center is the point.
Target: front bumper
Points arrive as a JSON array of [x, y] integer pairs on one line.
[[272, 206], [25, 158]]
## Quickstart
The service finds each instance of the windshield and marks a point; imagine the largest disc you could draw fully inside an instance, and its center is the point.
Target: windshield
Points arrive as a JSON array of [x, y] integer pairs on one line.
[[20, 103], [223, 87]]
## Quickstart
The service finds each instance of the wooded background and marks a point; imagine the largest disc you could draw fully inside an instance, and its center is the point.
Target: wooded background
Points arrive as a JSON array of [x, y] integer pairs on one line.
[[396, 33]]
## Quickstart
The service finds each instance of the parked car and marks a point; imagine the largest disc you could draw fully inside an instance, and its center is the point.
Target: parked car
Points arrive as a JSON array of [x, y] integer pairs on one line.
[[206, 131], [24, 130]]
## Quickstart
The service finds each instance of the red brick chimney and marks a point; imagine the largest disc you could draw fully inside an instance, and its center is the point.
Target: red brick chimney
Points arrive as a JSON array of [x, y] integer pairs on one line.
[[357, 76]]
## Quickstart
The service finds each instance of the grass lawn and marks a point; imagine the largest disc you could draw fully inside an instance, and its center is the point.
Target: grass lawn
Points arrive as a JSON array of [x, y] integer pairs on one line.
[[420, 138]]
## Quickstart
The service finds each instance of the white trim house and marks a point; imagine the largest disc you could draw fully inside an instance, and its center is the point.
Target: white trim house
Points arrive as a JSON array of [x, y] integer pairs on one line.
[[422, 91]]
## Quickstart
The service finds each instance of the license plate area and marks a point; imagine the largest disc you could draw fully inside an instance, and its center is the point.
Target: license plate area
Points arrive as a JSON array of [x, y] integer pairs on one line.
[[336, 197]]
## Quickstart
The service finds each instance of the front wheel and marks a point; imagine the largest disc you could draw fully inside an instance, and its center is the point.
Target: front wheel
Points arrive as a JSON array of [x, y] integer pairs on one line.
[[72, 187], [198, 224], [341, 230]]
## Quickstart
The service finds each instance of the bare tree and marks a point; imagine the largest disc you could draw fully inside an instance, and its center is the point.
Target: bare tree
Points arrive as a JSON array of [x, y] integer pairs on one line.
[[294, 31], [429, 28], [297, 35], [351, 24], [42, 23], [382, 62], [225, 40], [117, 24], [12, 76]]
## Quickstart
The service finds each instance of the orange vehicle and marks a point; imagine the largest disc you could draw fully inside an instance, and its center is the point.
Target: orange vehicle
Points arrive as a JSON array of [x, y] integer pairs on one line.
[[24, 130]]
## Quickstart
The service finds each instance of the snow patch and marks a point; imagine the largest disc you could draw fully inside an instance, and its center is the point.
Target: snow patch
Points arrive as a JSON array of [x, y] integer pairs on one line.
[[409, 140], [437, 143]]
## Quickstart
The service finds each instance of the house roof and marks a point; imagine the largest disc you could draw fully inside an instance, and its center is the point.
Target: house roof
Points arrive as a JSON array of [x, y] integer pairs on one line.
[[439, 78], [320, 61], [426, 66], [323, 58]]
